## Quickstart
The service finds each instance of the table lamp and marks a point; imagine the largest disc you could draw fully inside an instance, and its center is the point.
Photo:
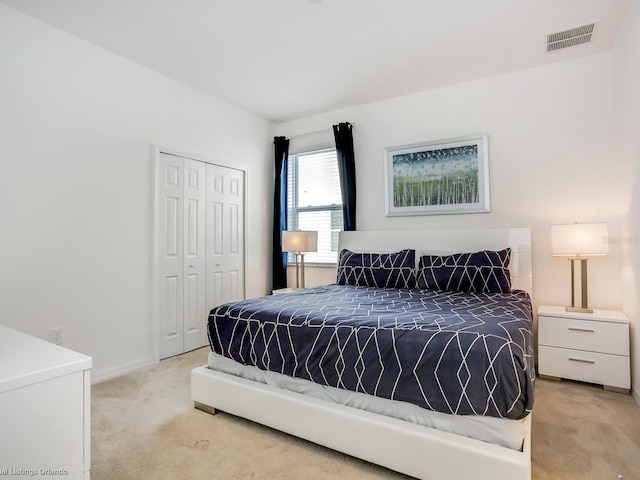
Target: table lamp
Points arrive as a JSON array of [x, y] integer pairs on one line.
[[299, 241], [579, 241]]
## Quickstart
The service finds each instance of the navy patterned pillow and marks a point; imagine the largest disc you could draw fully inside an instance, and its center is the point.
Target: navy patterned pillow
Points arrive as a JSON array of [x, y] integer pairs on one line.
[[482, 272], [385, 270]]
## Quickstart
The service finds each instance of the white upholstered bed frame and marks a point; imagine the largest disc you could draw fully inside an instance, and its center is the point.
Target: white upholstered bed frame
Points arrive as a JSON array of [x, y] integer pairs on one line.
[[408, 448]]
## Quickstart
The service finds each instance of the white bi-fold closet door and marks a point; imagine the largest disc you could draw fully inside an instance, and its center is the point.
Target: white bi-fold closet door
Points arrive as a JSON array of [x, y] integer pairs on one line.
[[200, 245]]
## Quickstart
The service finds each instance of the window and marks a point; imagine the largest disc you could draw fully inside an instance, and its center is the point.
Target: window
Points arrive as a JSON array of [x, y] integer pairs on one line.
[[314, 202]]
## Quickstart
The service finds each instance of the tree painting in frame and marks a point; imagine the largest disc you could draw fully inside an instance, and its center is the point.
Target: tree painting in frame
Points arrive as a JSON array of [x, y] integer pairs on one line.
[[442, 177]]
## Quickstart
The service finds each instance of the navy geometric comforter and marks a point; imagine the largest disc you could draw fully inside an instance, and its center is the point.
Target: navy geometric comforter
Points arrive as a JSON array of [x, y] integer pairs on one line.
[[453, 352]]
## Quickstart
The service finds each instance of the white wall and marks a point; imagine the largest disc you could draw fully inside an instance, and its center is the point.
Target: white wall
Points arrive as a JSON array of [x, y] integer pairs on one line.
[[552, 155], [626, 62], [77, 126]]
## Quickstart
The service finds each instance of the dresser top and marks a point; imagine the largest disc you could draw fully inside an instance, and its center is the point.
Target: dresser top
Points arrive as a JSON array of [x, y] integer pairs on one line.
[[611, 316], [25, 360]]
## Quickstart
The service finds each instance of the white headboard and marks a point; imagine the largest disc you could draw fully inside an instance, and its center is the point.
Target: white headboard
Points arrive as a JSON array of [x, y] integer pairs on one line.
[[446, 241]]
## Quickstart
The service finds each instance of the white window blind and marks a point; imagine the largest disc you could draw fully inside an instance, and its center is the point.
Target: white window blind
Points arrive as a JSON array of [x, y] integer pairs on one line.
[[314, 201]]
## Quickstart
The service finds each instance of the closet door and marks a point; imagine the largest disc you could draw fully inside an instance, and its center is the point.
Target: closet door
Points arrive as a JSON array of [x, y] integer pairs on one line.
[[195, 306], [225, 235], [200, 238], [181, 240], [170, 175]]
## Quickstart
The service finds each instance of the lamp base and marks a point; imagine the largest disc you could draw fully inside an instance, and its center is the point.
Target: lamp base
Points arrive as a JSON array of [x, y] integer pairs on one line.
[[299, 270], [579, 309], [584, 308]]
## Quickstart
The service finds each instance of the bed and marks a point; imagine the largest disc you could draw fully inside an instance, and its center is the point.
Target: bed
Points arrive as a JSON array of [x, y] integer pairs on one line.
[[348, 399]]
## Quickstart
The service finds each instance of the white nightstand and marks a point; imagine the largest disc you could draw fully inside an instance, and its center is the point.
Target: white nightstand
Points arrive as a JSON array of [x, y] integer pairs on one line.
[[589, 347]]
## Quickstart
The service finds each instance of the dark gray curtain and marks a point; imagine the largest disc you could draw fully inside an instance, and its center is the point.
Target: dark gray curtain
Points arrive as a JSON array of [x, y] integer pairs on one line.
[[281, 150], [347, 169]]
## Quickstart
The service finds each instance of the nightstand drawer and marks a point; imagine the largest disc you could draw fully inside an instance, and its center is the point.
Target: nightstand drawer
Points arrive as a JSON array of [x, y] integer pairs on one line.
[[611, 370], [578, 334]]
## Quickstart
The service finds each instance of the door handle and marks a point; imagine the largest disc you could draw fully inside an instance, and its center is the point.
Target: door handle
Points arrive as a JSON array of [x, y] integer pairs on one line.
[[583, 360]]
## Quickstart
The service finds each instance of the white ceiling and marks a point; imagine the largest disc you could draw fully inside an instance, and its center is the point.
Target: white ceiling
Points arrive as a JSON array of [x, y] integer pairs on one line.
[[283, 59]]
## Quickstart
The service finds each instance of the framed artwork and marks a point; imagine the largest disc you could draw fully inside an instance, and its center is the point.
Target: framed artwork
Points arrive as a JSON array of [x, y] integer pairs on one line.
[[434, 178]]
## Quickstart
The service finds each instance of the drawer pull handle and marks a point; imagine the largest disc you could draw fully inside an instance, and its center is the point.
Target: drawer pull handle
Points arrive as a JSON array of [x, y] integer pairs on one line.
[[581, 360], [578, 329]]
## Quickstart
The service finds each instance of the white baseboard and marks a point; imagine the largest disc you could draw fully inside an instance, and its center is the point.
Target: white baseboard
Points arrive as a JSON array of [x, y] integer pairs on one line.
[[635, 395], [98, 376]]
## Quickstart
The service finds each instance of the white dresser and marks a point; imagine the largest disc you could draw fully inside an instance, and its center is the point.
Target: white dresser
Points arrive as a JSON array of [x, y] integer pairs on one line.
[[44, 409], [589, 347]]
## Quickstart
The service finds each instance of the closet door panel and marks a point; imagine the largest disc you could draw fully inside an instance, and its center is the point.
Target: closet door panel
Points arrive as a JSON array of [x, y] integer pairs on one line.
[[225, 235], [195, 313], [170, 250], [235, 229], [172, 293], [215, 289]]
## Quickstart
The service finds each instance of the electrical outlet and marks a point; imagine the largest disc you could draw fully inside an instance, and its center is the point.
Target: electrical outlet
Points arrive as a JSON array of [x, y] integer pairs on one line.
[[55, 335]]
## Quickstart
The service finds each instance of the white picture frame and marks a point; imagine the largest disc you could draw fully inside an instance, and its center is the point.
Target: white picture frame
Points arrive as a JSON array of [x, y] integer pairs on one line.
[[440, 177]]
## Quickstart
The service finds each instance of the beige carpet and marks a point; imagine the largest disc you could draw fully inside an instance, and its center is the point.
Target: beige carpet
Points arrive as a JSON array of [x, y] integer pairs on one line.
[[144, 426]]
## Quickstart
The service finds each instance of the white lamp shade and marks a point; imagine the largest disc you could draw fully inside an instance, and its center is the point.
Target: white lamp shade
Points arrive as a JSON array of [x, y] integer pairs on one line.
[[299, 241], [579, 239]]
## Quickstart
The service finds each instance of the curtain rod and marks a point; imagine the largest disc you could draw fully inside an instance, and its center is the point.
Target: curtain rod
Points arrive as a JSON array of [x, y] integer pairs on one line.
[[326, 130]]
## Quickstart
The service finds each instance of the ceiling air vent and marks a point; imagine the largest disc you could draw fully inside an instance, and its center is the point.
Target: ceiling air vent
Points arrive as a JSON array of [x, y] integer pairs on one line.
[[569, 38]]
